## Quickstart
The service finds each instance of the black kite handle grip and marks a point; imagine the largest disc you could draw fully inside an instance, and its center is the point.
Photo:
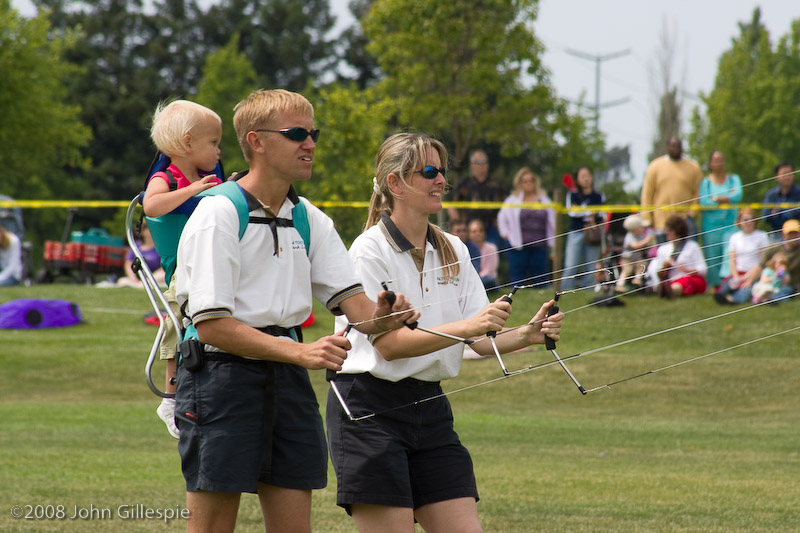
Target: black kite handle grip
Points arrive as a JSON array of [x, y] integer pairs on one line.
[[549, 343], [330, 375], [391, 297], [506, 298]]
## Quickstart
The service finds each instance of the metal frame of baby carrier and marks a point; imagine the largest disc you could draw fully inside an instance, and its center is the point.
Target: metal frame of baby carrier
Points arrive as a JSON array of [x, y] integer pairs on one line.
[[159, 303], [154, 294]]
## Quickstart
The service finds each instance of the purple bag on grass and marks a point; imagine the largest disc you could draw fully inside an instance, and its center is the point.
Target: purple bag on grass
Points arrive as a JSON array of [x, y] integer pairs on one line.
[[30, 313]]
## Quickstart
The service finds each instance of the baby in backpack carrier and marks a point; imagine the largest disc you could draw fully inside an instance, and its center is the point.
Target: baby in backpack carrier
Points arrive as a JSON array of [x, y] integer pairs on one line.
[[189, 134]]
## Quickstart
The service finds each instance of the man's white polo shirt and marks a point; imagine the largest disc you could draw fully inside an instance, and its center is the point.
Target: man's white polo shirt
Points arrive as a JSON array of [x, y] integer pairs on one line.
[[222, 276]]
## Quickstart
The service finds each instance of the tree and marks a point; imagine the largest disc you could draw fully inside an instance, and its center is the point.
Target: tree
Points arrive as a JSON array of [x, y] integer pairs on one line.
[[352, 126], [41, 131], [469, 73], [359, 66], [228, 77], [753, 111], [121, 85], [286, 39], [668, 123]]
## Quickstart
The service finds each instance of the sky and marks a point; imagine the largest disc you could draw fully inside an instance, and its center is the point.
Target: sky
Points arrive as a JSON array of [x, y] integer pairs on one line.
[[701, 31]]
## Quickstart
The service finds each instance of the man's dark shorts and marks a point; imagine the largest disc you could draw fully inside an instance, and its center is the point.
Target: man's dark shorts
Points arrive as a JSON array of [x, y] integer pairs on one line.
[[243, 422]]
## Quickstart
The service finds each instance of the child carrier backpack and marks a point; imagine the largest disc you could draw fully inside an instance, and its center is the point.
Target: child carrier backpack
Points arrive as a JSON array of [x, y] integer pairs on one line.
[[166, 231]]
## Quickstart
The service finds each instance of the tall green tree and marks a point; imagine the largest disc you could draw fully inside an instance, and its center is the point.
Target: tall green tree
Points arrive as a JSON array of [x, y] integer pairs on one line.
[[358, 64], [41, 132], [175, 48], [286, 40], [123, 81], [228, 77], [353, 124], [752, 114], [469, 73]]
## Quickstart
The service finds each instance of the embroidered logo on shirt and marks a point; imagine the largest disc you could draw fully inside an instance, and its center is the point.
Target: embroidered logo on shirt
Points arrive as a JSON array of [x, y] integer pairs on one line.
[[445, 280]]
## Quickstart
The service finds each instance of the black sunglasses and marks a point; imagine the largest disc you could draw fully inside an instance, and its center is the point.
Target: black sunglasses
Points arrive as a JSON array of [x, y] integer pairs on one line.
[[296, 134], [430, 172]]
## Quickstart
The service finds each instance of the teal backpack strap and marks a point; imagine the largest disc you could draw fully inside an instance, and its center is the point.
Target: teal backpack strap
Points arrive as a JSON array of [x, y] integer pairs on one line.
[[300, 220], [190, 333], [235, 193]]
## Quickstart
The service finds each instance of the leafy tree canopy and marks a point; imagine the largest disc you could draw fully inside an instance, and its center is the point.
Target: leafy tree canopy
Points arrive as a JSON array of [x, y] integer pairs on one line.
[[41, 133], [471, 74], [228, 77], [352, 125], [753, 112]]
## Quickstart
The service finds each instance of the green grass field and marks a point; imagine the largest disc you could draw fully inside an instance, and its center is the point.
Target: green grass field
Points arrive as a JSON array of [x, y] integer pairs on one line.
[[713, 445]]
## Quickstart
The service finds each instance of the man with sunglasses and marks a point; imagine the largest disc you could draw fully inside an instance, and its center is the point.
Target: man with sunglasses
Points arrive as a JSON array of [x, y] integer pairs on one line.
[[248, 416]]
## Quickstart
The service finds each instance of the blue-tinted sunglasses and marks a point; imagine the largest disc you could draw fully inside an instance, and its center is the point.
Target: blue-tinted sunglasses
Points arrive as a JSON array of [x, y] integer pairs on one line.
[[430, 172], [297, 134]]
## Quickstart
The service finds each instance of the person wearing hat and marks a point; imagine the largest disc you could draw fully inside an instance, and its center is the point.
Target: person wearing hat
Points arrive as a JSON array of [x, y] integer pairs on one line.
[[633, 259], [790, 246]]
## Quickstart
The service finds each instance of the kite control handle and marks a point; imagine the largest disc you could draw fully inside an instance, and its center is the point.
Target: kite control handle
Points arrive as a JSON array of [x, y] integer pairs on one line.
[[506, 298], [330, 375], [391, 297], [549, 343]]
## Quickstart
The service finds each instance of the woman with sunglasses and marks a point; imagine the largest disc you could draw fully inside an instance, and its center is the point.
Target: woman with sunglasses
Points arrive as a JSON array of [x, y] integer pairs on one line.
[[407, 463]]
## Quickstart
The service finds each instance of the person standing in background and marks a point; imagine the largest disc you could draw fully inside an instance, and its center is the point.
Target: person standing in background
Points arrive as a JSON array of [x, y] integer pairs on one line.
[[479, 187], [528, 231], [784, 191], [670, 180], [583, 247], [718, 225]]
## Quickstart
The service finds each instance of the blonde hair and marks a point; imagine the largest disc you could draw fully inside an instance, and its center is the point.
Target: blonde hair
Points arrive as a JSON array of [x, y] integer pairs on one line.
[[259, 109], [516, 184], [402, 154], [173, 121]]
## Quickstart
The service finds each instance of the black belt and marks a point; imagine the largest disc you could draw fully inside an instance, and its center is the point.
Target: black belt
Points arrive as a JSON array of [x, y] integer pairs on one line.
[[278, 331], [275, 331]]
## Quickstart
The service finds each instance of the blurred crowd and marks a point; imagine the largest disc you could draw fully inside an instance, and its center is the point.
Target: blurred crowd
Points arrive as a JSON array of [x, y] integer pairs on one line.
[[696, 245]]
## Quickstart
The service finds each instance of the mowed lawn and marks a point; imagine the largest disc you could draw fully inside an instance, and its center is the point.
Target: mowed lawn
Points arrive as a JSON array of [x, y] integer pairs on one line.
[[712, 445]]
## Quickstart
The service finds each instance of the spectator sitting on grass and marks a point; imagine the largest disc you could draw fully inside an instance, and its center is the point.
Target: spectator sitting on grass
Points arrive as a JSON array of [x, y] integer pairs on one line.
[[488, 253], [791, 247]]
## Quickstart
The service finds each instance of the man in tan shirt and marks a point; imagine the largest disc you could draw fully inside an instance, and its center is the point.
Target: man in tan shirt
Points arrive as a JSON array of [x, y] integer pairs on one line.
[[670, 180]]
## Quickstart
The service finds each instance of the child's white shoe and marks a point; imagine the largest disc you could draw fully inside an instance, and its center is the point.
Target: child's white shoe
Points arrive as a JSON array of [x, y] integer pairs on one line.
[[166, 412]]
